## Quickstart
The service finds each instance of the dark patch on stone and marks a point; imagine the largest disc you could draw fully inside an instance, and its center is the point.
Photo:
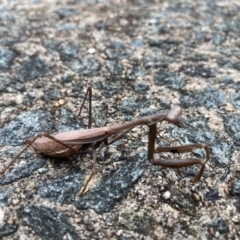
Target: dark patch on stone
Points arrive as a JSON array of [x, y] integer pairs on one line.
[[69, 51], [51, 45], [210, 98], [116, 51], [160, 62], [114, 187], [235, 100], [141, 88], [109, 88], [33, 68], [196, 130], [21, 172], [232, 126], [212, 195], [218, 38], [155, 65], [63, 189], [149, 112], [228, 82], [138, 43], [114, 67], [196, 57], [6, 59], [236, 188], [5, 81], [24, 126], [198, 71], [101, 25], [51, 95], [67, 121], [48, 223], [131, 105], [4, 195], [76, 89], [170, 80], [220, 225], [134, 73], [67, 27], [85, 66], [65, 12], [141, 220], [184, 202], [164, 44], [8, 229], [99, 114], [28, 100], [67, 78]]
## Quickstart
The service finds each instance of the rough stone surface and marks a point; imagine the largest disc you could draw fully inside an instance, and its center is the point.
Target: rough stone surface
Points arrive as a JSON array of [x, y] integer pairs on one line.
[[21, 172], [62, 189], [85, 66], [48, 223], [168, 79], [212, 195], [220, 225], [4, 194], [236, 188], [6, 59], [24, 126], [196, 130], [231, 125], [114, 187], [33, 68], [209, 97], [8, 229], [67, 121], [141, 58]]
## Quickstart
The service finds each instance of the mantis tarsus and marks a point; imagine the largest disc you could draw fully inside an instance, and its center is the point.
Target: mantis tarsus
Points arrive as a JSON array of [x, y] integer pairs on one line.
[[67, 144]]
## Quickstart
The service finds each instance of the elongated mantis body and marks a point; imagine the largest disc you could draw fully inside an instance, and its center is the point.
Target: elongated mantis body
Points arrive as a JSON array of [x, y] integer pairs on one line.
[[69, 143]]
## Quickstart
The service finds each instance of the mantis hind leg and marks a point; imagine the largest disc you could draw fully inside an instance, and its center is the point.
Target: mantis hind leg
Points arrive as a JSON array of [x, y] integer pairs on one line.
[[30, 142]]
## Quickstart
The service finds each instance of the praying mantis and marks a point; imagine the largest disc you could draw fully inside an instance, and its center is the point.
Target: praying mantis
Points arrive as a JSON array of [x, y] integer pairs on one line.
[[67, 144]]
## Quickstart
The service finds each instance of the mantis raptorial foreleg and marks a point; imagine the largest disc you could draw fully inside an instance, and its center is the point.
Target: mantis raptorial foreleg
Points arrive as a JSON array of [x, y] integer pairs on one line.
[[176, 149]]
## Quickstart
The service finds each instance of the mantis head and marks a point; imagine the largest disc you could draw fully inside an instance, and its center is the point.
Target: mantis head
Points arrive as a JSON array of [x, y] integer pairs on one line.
[[174, 116]]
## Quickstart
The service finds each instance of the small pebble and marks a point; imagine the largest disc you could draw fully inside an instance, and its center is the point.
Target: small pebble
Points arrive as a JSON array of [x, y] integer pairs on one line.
[[42, 170], [17, 190], [86, 219], [212, 231], [77, 220], [15, 202], [61, 102], [230, 227], [196, 197], [167, 195], [226, 190], [91, 50], [235, 219]]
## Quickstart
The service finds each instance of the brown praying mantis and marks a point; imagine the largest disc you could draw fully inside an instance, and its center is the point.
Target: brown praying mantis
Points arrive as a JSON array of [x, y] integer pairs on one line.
[[67, 144]]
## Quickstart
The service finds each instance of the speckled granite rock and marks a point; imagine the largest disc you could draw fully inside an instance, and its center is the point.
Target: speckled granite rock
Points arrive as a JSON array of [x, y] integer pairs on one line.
[[140, 57]]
